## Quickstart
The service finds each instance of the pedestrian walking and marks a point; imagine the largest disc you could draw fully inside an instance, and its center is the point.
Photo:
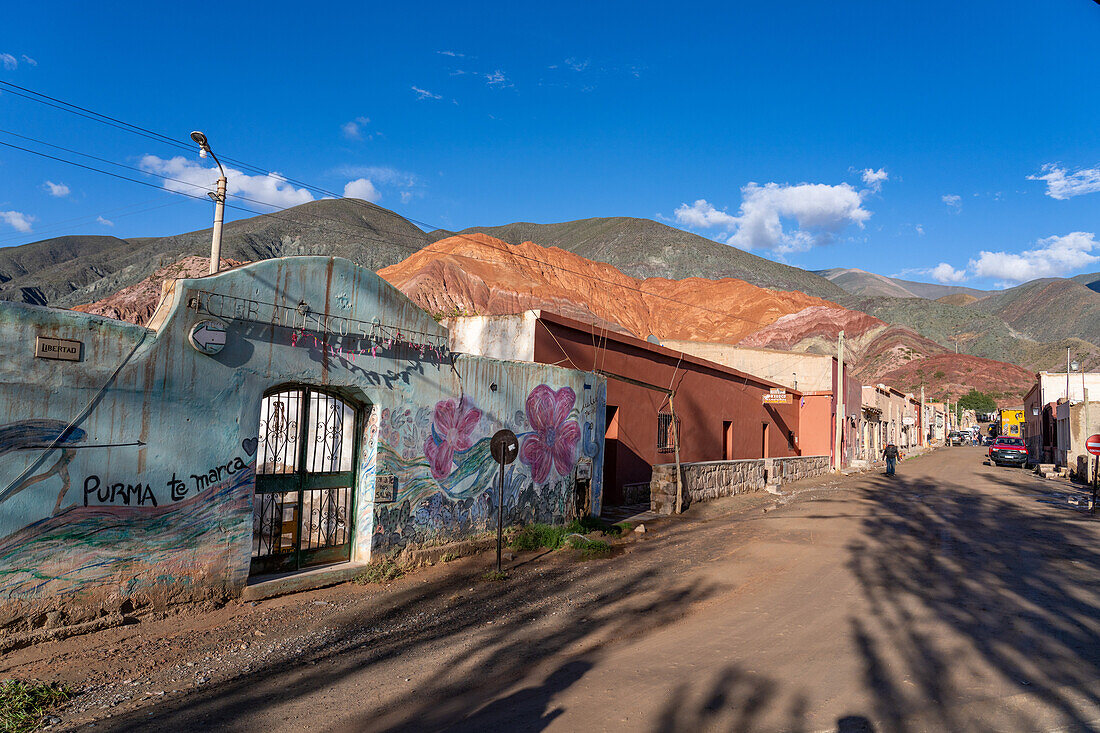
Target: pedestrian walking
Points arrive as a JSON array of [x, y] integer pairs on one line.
[[890, 453]]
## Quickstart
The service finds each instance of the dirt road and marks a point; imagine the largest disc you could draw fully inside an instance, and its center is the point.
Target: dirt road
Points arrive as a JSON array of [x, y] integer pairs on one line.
[[956, 596]]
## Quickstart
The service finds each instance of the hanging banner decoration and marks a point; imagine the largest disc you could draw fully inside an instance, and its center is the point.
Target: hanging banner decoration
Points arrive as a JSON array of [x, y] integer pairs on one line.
[[357, 336]]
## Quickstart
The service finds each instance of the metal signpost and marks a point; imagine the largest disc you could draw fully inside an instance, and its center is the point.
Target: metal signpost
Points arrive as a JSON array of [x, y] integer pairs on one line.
[[1092, 445], [504, 447]]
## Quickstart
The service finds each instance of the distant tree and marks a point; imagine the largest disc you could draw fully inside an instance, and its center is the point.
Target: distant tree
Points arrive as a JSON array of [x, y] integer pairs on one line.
[[939, 375], [977, 401]]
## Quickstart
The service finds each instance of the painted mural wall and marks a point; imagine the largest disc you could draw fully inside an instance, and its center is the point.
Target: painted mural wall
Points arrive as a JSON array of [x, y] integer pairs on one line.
[[129, 476]]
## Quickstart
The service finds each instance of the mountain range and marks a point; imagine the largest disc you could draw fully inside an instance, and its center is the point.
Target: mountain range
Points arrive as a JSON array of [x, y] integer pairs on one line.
[[1030, 325], [863, 283]]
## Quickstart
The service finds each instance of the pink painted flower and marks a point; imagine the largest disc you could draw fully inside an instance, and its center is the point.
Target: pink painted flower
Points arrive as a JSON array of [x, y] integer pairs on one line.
[[555, 437], [452, 430]]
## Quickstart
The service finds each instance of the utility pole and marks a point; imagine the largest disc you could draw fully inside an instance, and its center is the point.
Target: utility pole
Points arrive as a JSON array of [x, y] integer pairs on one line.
[[1067, 374], [219, 202], [838, 436], [923, 429]]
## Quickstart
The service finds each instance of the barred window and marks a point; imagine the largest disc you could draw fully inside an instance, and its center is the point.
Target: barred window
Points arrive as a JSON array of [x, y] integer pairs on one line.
[[666, 438]]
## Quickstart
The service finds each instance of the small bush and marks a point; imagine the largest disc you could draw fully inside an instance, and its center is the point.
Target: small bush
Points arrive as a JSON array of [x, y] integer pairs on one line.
[[625, 527], [588, 548], [448, 557], [381, 572], [494, 577], [593, 524], [23, 705], [595, 548], [537, 536]]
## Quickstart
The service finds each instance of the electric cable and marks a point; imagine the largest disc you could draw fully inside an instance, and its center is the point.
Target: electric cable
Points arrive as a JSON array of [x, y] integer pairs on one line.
[[126, 126]]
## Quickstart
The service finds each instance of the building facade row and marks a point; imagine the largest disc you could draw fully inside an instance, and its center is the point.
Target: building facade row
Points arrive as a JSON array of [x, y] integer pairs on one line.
[[1059, 416], [300, 412]]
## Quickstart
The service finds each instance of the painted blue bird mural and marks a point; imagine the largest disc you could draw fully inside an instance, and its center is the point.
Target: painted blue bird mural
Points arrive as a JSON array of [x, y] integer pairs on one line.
[[40, 434]]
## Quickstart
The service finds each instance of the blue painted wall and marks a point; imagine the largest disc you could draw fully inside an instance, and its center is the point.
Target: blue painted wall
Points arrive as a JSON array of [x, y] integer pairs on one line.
[[148, 496]]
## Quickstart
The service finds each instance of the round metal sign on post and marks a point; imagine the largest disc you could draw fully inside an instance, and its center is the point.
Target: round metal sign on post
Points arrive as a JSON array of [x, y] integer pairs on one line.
[[1092, 445], [208, 337], [504, 447]]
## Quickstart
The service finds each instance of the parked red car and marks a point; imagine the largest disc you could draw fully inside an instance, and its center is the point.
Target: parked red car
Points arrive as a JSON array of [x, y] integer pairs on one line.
[[1008, 450]]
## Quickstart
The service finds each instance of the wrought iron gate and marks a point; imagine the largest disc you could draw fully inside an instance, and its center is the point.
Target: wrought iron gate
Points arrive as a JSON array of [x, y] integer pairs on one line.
[[305, 480]]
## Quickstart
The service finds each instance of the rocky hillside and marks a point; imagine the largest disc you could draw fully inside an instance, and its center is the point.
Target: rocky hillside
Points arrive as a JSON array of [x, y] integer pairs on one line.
[[643, 248], [66, 271], [949, 376], [868, 284], [478, 274], [790, 308], [137, 303], [1047, 310]]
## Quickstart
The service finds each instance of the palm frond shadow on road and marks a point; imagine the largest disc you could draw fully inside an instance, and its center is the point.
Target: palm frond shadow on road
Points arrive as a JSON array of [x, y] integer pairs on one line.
[[1012, 577]]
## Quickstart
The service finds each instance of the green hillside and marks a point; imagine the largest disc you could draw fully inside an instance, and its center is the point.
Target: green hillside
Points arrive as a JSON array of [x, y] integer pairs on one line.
[[644, 248]]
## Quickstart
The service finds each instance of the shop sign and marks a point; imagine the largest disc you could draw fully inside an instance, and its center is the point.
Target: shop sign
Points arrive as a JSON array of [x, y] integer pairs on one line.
[[777, 396]]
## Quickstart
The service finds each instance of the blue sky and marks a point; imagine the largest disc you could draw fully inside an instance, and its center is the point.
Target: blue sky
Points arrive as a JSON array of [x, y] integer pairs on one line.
[[888, 136]]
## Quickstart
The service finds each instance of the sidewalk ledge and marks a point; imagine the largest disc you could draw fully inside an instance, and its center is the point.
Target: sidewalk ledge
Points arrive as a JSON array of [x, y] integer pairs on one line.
[[269, 586]]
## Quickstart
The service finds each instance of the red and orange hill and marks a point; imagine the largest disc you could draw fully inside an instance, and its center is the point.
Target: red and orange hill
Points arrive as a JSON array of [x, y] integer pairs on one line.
[[477, 274]]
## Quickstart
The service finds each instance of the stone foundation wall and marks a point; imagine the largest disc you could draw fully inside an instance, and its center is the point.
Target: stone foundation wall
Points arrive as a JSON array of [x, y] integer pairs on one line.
[[635, 493], [798, 468], [715, 479]]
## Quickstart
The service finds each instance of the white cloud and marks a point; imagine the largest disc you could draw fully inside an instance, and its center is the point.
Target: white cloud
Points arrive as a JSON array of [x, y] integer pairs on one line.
[[703, 215], [425, 94], [105, 222], [454, 54], [361, 188], [406, 196], [873, 179], [29, 60], [577, 64], [1053, 257], [945, 274], [920, 230], [17, 220], [497, 79], [8, 61], [953, 201], [58, 190], [819, 210], [193, 179], [1061, 184], [379, 174], [353, 130]]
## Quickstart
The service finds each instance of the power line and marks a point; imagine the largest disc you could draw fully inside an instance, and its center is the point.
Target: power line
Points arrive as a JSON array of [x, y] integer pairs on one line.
[[126, 126], [69, 223], [298, 222]]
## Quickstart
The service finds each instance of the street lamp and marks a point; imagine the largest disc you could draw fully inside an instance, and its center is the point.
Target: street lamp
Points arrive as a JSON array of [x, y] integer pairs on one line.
[[219, 202]]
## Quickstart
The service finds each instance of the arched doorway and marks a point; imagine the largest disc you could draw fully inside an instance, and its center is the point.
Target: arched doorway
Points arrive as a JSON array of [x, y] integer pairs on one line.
[[305, 480]]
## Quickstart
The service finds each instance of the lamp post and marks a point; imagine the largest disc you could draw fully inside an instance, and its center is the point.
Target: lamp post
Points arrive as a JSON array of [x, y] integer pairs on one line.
[[219, 202]]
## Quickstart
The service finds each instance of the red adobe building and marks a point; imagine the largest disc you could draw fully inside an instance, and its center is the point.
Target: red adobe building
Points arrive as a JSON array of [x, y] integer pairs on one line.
[[721, 412]]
